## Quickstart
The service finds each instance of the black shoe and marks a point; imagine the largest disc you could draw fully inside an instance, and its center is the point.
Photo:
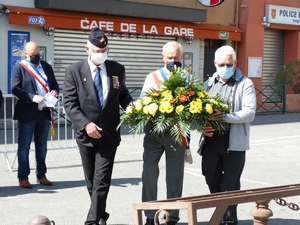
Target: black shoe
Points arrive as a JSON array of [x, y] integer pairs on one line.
[[102, 222], [150, 222]]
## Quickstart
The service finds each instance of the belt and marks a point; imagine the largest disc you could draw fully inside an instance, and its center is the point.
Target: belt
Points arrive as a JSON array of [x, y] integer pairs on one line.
[[41, 109]]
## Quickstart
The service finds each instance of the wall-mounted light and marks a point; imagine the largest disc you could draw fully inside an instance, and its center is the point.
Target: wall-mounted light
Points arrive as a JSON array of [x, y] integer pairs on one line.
[[49, 31], [3, 10], [188, 40], [264, 22]]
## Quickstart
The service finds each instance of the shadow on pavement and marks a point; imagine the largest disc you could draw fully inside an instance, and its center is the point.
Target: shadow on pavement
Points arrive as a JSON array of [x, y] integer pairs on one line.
[[276, 118], [125, 182], [250, 222], [12, 191]]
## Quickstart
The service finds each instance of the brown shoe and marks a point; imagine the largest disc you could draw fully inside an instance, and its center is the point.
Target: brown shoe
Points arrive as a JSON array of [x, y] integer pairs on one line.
[[45, 181], [25, 184]]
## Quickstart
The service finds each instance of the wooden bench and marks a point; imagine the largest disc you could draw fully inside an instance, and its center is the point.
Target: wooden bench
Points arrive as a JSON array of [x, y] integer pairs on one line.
[[220, 201]]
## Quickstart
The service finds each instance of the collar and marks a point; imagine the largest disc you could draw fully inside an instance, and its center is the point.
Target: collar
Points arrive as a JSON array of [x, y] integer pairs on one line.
[[93, 66]]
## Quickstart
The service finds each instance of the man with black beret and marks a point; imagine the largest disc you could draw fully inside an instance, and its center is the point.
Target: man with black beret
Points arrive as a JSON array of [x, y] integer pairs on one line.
[[93, 90]]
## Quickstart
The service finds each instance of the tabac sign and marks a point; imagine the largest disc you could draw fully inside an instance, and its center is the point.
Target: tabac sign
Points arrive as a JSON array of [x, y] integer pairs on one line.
[[210, 3], [283, 15]]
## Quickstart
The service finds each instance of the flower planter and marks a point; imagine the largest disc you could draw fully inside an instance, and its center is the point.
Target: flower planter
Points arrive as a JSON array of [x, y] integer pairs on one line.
[[293, 103]]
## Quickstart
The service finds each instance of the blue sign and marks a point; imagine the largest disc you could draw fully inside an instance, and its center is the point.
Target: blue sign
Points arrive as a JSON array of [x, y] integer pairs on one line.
[[39, 20], [16, 42]]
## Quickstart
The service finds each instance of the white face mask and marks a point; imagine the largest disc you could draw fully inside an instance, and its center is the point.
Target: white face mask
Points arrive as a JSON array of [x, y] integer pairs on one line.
[[98, 58]]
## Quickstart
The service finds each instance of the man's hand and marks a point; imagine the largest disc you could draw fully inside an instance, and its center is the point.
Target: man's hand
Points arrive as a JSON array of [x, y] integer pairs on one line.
[[54, 93], [208, 130], [217, 115], [38, 99], [93, 130]]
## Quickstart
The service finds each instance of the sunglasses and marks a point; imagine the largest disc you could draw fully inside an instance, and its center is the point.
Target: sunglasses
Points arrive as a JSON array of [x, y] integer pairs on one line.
[[229, 65]]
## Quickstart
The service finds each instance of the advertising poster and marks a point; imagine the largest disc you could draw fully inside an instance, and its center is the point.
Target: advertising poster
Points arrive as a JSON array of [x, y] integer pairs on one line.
[[43, 52], [254, 67], [16, 43], [188, 61]]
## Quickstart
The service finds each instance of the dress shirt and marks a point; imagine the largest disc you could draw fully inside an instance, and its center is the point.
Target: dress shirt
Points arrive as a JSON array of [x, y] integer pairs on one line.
[[104, 78]]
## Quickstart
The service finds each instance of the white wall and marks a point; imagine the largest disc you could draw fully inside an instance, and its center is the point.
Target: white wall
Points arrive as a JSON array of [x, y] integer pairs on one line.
[[23, 3], [197, 48]]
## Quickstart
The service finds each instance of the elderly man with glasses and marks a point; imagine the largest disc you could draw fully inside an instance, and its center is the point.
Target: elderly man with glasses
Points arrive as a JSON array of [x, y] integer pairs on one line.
[[224, 150]]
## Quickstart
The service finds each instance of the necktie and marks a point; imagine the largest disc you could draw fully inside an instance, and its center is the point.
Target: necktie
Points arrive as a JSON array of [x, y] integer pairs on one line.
[[98, 86]]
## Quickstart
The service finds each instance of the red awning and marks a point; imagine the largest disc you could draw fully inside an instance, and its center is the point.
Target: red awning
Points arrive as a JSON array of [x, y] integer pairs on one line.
[[110, 24]]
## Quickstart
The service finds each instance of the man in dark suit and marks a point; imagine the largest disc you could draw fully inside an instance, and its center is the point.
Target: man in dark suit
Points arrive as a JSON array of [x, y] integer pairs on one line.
[[1, 99], [32, 79], [93, 108]]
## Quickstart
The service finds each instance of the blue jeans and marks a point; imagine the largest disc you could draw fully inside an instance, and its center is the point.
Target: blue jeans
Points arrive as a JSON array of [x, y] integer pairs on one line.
[[40, 129]]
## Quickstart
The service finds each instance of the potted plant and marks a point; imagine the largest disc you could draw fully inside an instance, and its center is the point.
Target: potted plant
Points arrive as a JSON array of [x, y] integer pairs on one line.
[[290, 75]]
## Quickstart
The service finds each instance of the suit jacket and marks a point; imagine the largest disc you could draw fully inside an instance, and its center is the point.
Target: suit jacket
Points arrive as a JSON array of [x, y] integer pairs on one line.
[[81, 104], [1, 99], [24, 89]]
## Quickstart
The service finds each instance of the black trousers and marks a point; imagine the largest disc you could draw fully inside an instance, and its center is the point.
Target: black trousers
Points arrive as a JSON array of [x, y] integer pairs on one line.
[[97, 165], [222, 169]]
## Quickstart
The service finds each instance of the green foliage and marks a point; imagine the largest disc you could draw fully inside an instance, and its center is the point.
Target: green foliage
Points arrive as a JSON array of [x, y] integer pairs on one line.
[[290, 75]]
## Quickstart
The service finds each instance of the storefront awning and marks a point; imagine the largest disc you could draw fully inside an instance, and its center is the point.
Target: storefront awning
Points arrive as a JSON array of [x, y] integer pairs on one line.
[[117, 24]]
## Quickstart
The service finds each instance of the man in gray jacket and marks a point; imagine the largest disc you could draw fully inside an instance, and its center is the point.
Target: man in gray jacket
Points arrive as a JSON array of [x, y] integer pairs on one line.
[[224, 150]]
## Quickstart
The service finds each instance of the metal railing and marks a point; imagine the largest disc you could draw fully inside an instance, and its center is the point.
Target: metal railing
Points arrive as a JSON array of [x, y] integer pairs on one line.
[[270, 98], [64, 138], [64, 135]]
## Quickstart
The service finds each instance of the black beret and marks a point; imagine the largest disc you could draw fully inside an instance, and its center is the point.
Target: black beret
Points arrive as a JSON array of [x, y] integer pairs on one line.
[[98, 38]]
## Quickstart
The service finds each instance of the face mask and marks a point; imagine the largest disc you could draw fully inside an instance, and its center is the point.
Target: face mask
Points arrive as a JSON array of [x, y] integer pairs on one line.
[[225, 72], [35, 58], [98, 58], [170, 65]]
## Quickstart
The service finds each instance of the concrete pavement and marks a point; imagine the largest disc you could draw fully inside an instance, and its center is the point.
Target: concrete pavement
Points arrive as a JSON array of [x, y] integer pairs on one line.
[[273, 160]]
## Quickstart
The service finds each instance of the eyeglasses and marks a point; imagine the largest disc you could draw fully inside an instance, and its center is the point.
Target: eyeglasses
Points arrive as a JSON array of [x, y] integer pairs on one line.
[[229, 65], [100, 50]]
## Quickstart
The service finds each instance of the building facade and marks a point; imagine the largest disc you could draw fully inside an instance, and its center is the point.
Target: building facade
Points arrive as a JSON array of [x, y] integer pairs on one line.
[[137, 31], [265, 33]]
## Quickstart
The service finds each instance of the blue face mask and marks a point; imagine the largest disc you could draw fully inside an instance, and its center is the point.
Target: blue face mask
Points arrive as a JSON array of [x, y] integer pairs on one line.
[[225, 72]]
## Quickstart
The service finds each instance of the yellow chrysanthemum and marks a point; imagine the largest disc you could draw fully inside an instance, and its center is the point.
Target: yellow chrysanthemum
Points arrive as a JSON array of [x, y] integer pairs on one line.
[[138, 105], [146, 100], [164, 105], [129, 109], [179, 109], [202, 94], [170, 109], [195, 107], [146, 109]]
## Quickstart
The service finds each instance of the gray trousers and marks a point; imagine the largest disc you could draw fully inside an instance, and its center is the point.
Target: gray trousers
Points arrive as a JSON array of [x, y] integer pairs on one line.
[[154, 147]]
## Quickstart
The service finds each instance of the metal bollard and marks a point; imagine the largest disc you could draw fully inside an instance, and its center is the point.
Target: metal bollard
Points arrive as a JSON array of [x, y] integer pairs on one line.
[[41, 220]]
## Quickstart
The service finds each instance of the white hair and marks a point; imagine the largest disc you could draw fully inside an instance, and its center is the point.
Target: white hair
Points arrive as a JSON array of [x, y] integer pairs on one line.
[[225, 50], [172, 44]]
